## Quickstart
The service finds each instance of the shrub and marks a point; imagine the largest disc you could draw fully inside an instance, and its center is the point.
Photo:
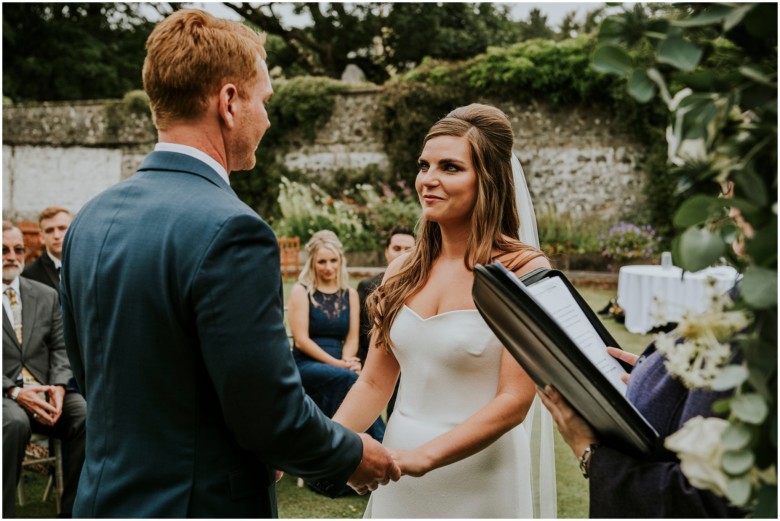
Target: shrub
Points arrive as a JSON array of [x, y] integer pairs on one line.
[[561, 232], [630, 241]]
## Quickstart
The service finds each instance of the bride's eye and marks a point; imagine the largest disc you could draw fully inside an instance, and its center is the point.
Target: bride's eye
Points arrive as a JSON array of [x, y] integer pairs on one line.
[[422, 166], [449, 167]]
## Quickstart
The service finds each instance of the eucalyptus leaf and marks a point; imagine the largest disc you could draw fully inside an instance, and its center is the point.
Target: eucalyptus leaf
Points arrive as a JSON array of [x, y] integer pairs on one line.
[[759, 287], [738, 491], [750, 185], [750, 408], [756, 75], [680, 53], [762, 247], [699, 248], [612, 31], [766, 506], [736, 436], [612, 60], [737, 462], [736, 16], [696, 210], [712, 15], [640, 86], [730, 377]]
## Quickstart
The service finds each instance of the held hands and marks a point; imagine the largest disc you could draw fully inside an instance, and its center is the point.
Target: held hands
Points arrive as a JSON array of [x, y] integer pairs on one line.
[[44, 412], [376, 468], [412, 462], [352, 363]]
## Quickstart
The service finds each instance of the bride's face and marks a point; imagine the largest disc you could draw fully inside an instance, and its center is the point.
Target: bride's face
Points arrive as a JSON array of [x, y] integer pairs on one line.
[[446, 182]]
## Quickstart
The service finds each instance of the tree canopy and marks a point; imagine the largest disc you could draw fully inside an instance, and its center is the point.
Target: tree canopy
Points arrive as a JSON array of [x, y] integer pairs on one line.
[[71, 51]]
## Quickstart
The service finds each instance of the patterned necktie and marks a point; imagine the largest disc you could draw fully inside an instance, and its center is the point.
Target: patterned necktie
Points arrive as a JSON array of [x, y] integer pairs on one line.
[[16, 312]]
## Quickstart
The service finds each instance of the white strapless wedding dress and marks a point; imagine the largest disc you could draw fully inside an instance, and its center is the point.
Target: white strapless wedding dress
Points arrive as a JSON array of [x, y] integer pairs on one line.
[[449, 370]]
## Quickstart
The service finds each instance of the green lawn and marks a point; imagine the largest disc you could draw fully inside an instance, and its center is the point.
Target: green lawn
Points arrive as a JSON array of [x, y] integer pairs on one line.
[[297, 502]]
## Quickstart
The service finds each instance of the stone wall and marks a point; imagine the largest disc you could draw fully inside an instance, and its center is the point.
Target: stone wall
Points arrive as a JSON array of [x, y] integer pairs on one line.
[[65, 153]]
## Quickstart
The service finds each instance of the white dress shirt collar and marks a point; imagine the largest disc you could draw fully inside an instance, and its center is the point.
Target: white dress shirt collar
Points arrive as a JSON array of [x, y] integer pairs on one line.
[[57, 262], [197, 154]]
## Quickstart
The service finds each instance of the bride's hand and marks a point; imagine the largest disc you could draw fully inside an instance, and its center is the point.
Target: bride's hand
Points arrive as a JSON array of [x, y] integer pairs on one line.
[[412, 462]]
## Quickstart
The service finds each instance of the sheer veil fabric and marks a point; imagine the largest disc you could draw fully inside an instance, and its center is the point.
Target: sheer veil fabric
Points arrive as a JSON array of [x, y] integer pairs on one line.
[[539, 422]]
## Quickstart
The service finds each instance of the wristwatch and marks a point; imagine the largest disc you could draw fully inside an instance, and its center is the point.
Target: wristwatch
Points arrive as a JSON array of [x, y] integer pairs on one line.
[[14, 393], [585, 458]]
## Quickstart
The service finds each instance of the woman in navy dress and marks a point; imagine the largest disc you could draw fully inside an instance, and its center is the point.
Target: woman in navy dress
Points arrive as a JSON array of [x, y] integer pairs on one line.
[[324, 319]]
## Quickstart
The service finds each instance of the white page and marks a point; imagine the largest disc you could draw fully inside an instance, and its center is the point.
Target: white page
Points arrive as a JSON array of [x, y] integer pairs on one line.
[[554, 297]]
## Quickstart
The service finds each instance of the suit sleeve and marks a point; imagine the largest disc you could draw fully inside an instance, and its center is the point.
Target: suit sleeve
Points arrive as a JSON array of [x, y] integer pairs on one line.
[[623, 486], [237, 297], [59, 366]]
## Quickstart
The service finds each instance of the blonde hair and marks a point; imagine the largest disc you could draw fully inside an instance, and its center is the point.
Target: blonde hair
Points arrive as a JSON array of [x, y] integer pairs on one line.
[[494, 220], [50, 212], [308, 277], [189, 56]]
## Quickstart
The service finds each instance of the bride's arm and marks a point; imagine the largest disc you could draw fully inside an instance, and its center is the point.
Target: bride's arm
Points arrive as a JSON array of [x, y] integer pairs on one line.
[[373, 389], [513, 399]]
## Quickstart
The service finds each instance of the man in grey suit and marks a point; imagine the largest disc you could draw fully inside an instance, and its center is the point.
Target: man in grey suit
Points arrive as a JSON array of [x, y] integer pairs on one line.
[[173, 312], [35, 372]]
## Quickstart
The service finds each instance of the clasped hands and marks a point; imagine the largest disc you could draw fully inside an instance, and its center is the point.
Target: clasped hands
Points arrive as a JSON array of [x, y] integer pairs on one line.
[[388, 465], [33, 399], [353, 363]]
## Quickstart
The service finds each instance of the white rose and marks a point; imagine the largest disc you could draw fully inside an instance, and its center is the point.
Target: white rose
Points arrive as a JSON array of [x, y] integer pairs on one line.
[[699, 448]]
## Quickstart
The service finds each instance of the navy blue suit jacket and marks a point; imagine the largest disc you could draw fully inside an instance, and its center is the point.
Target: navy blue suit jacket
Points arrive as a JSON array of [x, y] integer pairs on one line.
[[172, 308]]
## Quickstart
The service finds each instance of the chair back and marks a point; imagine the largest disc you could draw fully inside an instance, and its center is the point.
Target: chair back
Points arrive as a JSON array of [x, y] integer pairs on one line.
[[289, 249]]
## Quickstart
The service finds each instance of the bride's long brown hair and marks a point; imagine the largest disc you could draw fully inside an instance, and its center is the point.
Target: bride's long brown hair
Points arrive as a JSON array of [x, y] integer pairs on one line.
[[494, 220]]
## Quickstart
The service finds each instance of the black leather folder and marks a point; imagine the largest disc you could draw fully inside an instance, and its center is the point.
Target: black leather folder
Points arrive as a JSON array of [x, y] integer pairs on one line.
[[549, 356]]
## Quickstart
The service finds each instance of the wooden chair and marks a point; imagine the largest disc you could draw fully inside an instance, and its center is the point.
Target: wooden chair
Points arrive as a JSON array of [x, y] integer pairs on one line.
[[289, 249], [56, 478]]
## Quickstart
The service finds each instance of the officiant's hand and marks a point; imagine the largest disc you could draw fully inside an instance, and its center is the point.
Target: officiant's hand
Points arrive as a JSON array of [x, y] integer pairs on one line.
[[625, 356], [376, 468], [576, 432]]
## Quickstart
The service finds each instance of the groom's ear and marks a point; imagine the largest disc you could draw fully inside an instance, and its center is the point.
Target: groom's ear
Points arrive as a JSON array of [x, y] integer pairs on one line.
[[227, 104]]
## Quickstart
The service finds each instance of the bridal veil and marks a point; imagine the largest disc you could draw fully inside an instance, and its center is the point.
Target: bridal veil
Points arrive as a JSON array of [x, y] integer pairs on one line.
[[539, 422]]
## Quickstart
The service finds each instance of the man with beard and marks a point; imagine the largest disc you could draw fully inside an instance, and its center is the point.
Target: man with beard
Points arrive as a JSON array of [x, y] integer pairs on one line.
[[35, 373]]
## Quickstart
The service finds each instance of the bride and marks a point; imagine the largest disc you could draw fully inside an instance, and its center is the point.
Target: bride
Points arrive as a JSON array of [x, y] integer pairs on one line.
[[463, 420]]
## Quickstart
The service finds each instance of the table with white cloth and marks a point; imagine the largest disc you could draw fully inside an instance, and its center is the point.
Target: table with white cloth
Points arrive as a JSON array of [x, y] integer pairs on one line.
[[653, 295]]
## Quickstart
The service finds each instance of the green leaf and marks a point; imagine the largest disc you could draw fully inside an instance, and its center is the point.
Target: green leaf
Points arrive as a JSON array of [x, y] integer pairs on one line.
[[736, 436], [750, 185], [736, 16], [757, 75], [710, 16], [696, 210], [732, 376], [612, 31], [721, 406], [699, 248], [766, 507], [738, 491], [750, 408], [612, 60], [737, 462], [759, 287], [640, 86], [762, 247], [679, 53]]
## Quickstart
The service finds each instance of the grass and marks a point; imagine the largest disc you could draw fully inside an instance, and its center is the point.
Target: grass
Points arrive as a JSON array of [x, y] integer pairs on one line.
[[299, 503]]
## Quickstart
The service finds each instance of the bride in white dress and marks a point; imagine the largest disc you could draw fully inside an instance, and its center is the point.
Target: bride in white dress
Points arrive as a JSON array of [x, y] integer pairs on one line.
[[460, 428]]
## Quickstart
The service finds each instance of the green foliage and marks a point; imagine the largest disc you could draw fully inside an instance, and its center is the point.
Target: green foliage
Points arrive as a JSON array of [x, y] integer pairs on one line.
[[561, 232], [714, 68], [304, 103], [72, 51], [361, 218], [137, 101]]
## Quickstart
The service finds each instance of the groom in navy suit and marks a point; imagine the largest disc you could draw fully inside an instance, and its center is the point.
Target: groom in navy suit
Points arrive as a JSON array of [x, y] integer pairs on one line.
[[172, 306]]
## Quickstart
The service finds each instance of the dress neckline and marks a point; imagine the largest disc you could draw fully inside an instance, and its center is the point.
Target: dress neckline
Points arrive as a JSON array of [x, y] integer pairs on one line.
[[443, 313]]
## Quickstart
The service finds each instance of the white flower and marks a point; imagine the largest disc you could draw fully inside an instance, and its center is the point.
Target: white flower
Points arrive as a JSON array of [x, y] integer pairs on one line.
[[699, 448]]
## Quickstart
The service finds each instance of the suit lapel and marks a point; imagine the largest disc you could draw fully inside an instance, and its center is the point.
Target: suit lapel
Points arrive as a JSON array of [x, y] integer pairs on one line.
[[29, 308], [8, 329], [51, 270]]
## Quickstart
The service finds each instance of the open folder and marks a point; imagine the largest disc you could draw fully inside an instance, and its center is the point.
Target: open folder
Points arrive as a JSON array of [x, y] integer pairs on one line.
[[552, 332]]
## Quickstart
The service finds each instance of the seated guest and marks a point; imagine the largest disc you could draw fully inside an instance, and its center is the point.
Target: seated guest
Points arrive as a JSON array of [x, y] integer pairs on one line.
[[323, 316], [35, 374], [399, 241], [53, 222]]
